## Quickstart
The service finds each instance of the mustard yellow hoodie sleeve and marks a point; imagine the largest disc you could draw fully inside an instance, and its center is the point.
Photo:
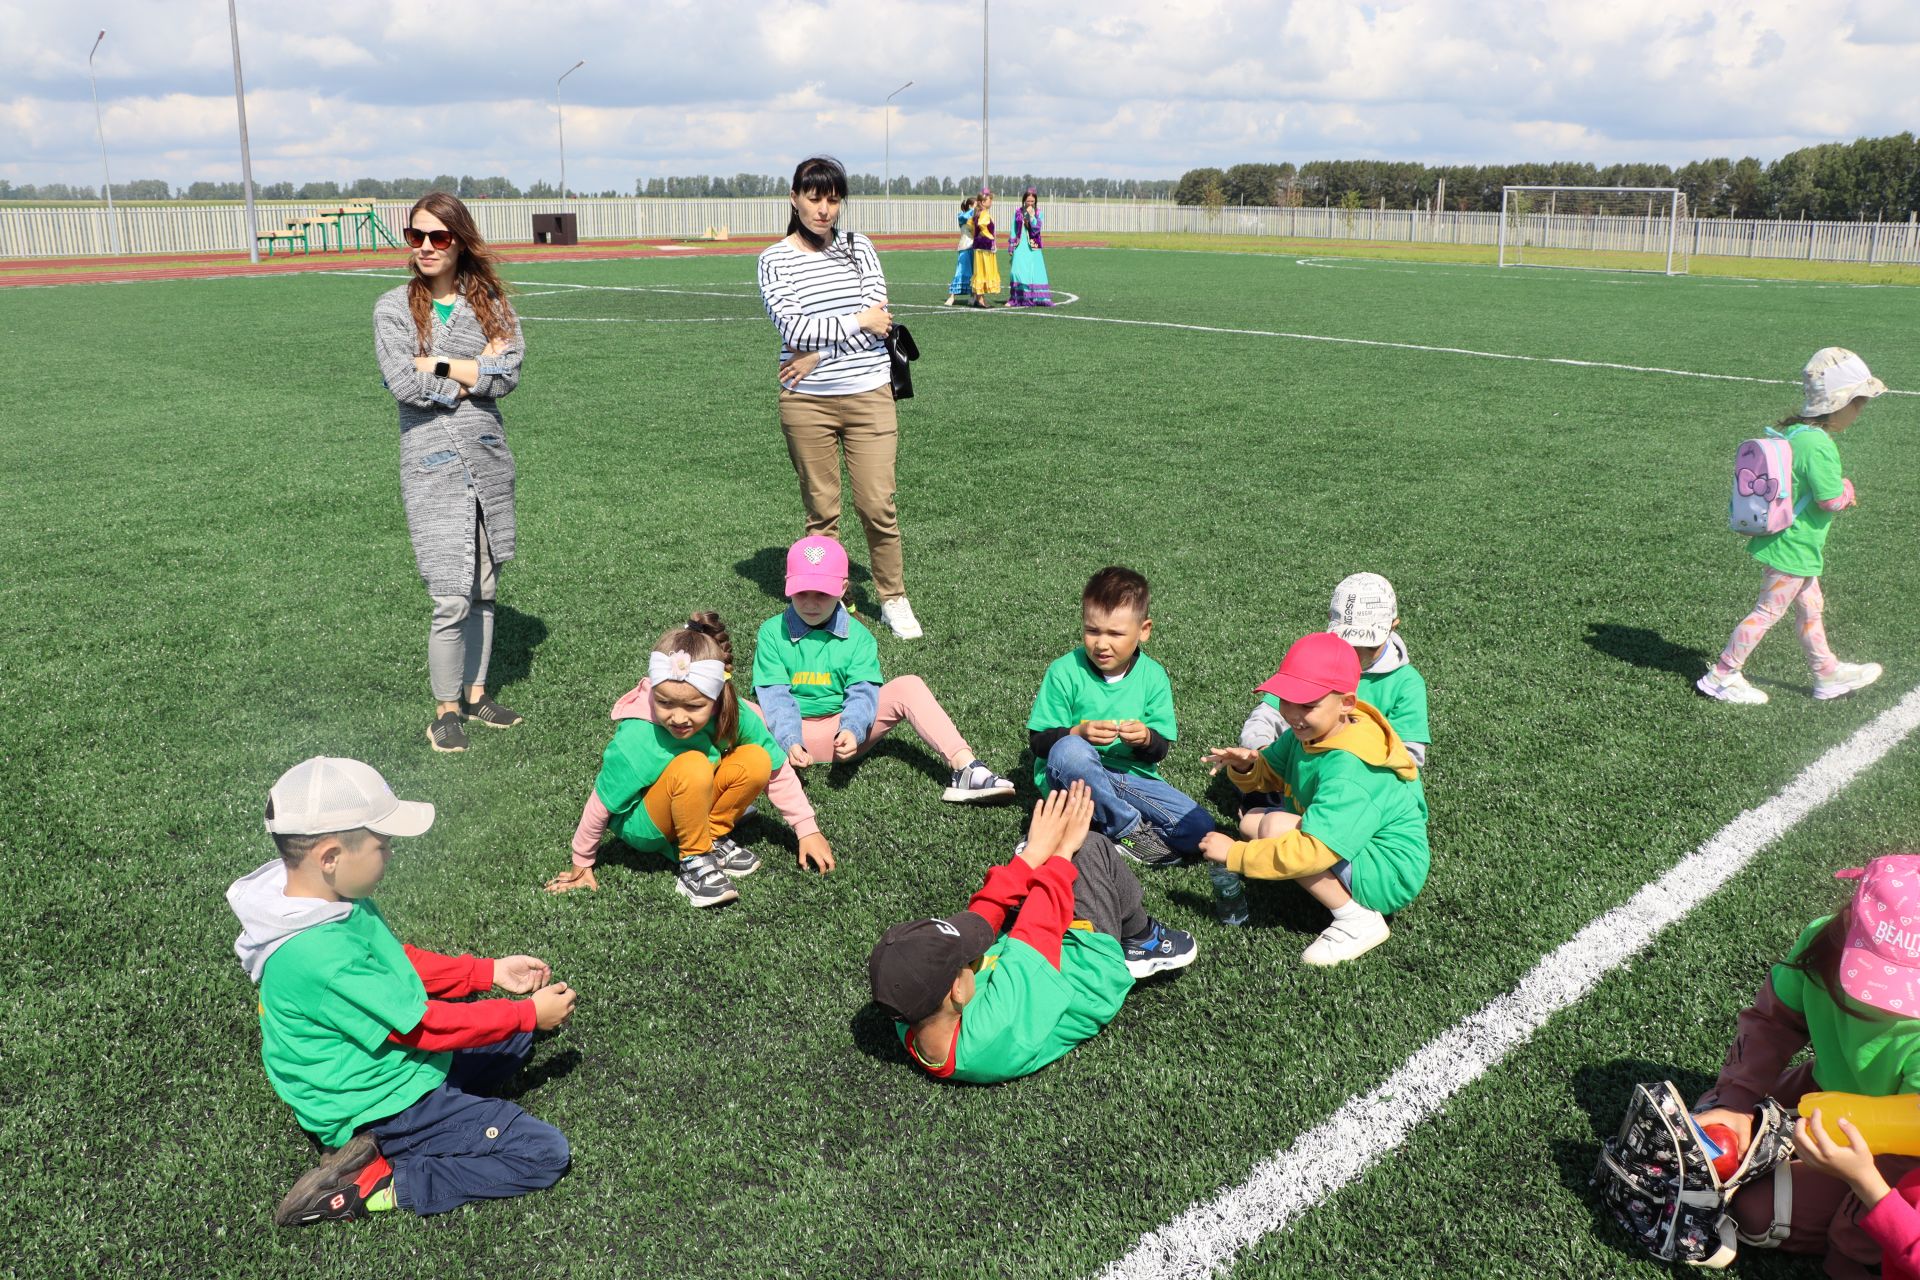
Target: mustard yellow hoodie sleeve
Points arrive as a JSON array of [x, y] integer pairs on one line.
[[1259, 778], [1286, 857]]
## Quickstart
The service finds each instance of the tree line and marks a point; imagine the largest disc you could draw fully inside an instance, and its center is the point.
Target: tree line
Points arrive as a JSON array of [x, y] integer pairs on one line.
[[1870, 178]]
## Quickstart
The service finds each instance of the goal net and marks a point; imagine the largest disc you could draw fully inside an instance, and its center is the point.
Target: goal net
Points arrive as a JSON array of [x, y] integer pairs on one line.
[[1596, 228]]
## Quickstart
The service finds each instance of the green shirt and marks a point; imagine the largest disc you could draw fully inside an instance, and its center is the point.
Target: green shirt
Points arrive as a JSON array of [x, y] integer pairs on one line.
[[1877, 1055], [1368, 815], [1798, 549], [1074, 690], [329, 998], [641, 751], [1400, 695], [1026, 1014], [818, 666], [443, 311]]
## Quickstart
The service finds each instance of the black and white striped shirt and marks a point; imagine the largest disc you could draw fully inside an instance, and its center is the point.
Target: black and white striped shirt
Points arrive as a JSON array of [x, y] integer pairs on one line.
[[813, 298]]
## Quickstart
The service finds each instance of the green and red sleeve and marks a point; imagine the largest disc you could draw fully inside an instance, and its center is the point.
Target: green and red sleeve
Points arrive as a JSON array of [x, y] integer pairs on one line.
[[448, 1024]]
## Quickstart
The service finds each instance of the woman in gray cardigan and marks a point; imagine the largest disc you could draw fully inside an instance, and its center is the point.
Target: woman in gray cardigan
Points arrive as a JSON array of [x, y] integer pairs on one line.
[[449, 346]]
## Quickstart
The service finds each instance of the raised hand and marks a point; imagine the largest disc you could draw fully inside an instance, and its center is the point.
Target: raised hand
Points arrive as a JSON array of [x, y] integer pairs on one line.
[[521, 974]]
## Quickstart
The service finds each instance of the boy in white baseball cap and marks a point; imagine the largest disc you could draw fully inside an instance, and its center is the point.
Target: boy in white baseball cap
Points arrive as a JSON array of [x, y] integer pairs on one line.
[[1366, 614], [368, 1040]]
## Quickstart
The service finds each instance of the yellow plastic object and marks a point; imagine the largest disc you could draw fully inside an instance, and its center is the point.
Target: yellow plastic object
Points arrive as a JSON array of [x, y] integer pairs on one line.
[[1891, 1125]]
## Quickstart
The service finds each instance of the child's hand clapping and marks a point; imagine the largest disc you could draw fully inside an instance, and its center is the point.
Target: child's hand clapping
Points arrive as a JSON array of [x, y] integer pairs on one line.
[[1061, 816], [845, 745], [1852, 1164], [1238, 759]]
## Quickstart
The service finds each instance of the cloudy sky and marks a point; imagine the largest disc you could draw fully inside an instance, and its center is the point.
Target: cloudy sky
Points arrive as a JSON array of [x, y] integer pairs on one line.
[[1124, 88]]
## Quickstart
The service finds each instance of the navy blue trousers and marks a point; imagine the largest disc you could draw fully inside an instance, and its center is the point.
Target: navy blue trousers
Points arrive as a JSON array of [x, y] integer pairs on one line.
[[456, 1145]]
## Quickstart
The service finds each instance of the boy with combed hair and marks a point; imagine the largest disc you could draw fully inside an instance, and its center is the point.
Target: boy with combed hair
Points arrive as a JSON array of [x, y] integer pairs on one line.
[[361, 1035], [1104, 716]]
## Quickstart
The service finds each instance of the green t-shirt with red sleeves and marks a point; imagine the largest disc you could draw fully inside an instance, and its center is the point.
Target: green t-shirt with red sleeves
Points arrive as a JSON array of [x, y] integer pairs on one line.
[[641, 751], [1400, 695], [1025, 1014], [1799, 549], [1368, 815], [818, 666], [1074, 690], [1876, 1055], [329, 998]]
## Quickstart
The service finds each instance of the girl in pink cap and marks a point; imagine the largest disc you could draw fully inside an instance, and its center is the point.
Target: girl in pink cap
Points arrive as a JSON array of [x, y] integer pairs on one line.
[[1850, 988]]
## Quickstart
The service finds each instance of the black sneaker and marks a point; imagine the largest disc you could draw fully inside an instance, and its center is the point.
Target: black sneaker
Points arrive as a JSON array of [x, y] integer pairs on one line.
[[445, 733], [490, 713], [338, 1188], [703, 883], [733, 858], [1148, 847], [1159, 949]]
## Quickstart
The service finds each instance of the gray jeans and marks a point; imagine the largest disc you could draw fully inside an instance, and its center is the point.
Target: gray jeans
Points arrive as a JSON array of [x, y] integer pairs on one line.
[[1105, 892], [460, 639]]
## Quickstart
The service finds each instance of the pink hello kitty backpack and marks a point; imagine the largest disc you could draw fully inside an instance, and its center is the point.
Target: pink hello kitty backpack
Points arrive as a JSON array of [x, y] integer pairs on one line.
[[1762, 499]]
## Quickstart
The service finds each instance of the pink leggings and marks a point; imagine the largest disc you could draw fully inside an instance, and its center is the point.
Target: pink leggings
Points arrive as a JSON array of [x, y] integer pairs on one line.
[[1780, 590], [906, 698]]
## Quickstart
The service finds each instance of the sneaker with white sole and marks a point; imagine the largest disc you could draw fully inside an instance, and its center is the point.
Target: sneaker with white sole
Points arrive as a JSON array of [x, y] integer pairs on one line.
[[975, 783], [702, 882], [1146, 846], [1844, 679], [1346, 939], [1160, 948], [898, 615], [735, 859], [1731, 688]]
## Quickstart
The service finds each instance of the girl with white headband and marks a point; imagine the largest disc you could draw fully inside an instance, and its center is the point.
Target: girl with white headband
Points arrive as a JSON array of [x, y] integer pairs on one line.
[[686, 762]]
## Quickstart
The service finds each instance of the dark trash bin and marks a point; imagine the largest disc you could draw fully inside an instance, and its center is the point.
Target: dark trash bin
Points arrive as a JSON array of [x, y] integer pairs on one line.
[[556, 228]]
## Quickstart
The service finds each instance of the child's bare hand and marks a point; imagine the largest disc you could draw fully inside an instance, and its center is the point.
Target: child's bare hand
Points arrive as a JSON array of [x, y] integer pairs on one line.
[[1100, 732], [845, 745], [1214, 846], [798, 757], [573, 878], [553, 1005], [1238, 759], [1852, 1164], [1050, 825], [1133, 733], [521, 974], [816, 853], [1741, 1122], [1079, 821]]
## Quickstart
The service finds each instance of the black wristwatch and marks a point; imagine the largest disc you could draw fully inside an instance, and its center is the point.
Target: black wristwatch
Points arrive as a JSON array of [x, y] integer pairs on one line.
[[440, 368]]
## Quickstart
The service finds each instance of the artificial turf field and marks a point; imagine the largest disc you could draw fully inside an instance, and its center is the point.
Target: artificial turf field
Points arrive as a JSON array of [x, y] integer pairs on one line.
[[207, 578]]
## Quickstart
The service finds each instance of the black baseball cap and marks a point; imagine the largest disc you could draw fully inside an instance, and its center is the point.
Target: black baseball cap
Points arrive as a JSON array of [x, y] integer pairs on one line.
[[913, 964]]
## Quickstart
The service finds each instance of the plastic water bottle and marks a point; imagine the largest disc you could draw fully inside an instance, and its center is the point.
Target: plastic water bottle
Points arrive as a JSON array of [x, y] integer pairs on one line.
[[1890, 1125], [1229, 895]]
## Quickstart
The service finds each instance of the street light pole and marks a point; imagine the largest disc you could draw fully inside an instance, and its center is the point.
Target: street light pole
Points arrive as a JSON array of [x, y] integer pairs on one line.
[[887, 111], [561, 123], [106, 178], [246, 157], [986, 182]]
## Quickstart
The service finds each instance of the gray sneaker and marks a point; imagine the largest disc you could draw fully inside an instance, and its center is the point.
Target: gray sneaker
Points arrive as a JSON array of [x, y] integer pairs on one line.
[[735, 859], [1148, 847], [702, 882], [975, 783]]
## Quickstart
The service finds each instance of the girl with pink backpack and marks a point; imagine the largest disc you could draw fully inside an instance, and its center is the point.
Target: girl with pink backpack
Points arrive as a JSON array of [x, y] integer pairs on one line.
[[1787, 489]]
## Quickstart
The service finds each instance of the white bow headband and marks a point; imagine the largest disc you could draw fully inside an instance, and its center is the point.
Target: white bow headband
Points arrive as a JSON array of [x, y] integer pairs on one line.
[[708, 675]]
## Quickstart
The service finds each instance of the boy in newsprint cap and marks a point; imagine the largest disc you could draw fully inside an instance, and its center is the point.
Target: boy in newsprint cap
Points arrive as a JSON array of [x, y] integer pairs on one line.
[[363, 1037], [975, 1005]]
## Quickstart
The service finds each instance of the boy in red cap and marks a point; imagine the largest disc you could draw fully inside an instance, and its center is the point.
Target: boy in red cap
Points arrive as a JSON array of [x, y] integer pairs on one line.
[[1354, 829]]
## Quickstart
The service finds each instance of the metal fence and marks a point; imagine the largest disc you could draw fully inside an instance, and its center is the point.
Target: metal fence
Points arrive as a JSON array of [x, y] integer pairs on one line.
[[39, 231]]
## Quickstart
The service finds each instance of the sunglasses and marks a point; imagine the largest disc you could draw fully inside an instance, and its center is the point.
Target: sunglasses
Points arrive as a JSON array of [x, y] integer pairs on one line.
[[415, 237]]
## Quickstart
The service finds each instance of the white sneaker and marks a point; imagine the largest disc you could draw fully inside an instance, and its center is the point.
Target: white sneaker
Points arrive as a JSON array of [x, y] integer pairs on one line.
[[898, 615], [1846, 677], [1346, 939], [975, 783], [1734, 688]]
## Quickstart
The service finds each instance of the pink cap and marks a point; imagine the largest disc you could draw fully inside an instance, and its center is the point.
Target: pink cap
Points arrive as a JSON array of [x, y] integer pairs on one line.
[[1880, 965], [817, 564], [1315, 666]]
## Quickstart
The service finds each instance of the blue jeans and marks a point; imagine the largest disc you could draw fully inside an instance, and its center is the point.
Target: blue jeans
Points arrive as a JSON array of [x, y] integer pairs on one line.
[[1121, 801], [454, 1146]]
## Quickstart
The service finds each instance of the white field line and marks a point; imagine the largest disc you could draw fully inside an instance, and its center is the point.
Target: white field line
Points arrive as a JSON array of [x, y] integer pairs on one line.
[[1281, 1188]]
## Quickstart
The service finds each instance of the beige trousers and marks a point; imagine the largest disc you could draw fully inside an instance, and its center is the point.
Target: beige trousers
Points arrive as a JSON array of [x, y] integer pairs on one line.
[[820, 430]]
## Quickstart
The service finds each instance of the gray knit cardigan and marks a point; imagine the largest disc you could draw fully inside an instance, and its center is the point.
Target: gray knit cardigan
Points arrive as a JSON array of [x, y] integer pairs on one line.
[[453, 451]]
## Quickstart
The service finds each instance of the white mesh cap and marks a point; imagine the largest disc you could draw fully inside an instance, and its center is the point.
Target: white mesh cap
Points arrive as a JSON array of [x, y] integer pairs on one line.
[[1833, 379], [1363, 609], [328, 794]]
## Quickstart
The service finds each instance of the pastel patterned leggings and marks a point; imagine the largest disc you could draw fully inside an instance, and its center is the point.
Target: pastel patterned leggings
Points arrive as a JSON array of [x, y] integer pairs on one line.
[[1779, 591]]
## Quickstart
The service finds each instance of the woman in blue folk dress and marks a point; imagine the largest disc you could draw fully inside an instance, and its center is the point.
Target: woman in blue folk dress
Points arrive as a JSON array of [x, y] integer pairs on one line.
[[962, 286], [1028, 274]]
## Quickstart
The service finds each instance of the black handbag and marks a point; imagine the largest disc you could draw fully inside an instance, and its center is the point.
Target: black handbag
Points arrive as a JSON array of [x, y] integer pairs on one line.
[[902, 350]]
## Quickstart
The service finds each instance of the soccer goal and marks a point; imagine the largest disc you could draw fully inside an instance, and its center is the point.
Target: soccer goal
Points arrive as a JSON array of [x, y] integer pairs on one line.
[[1595, 228]]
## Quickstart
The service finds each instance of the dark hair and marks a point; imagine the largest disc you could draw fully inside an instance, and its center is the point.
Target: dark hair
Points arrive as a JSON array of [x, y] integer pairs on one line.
[[1115, 588], [1821, 962], [474, 274], [817, 176], [294, 849], [1819, 420], [967, 204], [705, 636]]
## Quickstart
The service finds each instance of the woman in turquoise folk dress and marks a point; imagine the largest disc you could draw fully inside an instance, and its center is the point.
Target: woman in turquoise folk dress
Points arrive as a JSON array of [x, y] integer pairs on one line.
[[1028, 274]]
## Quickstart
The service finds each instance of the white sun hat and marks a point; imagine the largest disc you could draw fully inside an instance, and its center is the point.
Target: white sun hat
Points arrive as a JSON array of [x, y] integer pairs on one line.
[[1833, 379]]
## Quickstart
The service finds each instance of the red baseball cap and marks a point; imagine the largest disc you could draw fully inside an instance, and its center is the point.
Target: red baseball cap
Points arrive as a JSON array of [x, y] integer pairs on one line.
[[1316, 665]]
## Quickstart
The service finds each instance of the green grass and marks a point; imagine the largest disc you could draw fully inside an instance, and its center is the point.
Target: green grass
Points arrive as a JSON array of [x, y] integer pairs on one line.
[[209, 579]]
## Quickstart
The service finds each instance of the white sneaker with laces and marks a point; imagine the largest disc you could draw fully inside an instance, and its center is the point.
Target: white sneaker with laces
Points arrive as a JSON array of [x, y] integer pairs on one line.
[[1346, 939], [1845, 678], [1733, 688], [898, 615]]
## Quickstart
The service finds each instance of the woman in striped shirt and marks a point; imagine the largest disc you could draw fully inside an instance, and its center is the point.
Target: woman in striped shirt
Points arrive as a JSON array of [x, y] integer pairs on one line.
[[826, 294]]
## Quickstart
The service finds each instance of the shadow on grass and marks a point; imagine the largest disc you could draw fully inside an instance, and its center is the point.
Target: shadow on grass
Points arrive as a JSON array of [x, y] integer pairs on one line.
[[873, 1035], [839, 774], [767, 569], [1646, 648], [547, 1070], [515, 636]]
